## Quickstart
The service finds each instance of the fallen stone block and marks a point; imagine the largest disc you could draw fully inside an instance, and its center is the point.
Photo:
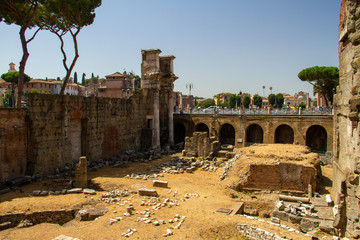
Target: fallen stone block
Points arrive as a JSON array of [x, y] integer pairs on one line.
[[63, 237], [75, 190], [327, 227], [18, 181], [224, 210], [148, 192], [275, 220], [329, 201], [294, 199], [6, 225], [89, 191], [44, 193], [158, 183], [307, 224], [5, 190], [280, 214], [36, 192], [239, 209], [280, 206], [90, 214]]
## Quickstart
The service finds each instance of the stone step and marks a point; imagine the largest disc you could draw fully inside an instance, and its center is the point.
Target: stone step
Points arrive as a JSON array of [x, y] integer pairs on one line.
[[221, 153]]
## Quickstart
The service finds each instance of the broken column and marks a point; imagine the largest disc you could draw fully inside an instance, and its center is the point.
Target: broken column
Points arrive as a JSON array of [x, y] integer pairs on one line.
[[167, 85], [81, 173], [157, 79]]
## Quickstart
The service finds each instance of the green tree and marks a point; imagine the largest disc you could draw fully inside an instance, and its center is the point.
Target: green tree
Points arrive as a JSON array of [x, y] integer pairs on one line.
[[301, 105], [137, 81], [272, 99], [34, 90], [246, 101], [8, 100], [279, 100], [83, 79], [232, 101], [24, 14], [13, 78], [263, 87], [257, 100], [206, 103], [324, 80], [75, 78], [238, 101], [67, 16], [270, 88]]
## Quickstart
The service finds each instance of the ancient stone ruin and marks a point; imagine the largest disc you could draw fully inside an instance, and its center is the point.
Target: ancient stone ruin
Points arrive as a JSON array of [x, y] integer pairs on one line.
[[346, 160], [81, 173], [55, 131], [200, 145]]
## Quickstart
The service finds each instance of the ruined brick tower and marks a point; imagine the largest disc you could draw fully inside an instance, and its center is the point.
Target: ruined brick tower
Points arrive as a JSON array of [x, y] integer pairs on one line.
[[157, 82], [346, 161]]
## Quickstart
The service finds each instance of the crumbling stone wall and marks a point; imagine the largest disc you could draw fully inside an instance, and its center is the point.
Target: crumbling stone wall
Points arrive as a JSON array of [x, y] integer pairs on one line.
[[279, 176], [346, 158], [63, 128], [199, 145], [57, 216], [13, 142]]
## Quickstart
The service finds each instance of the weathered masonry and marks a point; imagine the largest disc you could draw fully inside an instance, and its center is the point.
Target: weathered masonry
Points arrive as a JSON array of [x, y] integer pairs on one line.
[[346, 160], [315, 131], [54, 131]]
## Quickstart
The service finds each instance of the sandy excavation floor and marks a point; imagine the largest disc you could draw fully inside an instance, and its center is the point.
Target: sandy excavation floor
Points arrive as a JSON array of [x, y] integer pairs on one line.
[[202, 222]]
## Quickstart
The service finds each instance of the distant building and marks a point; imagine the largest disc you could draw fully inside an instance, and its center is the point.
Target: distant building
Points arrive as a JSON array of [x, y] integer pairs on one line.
[[298, 98], [12, 67], [116, 85], [221, 97], [177, 96], [54, 87], [188, 102], [183, 102]]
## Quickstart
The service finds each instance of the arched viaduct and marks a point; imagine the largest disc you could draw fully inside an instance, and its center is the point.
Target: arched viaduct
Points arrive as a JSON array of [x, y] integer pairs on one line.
[[315, 131]]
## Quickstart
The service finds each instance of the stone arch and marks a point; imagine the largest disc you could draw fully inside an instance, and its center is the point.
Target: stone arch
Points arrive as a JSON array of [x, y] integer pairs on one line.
[[316, 138], [179, 133], [254, 134], [284, 134], [202, 127], [227, 134]]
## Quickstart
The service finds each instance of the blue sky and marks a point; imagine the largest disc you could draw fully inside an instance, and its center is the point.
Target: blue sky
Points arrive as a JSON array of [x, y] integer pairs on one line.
[[220, 46]]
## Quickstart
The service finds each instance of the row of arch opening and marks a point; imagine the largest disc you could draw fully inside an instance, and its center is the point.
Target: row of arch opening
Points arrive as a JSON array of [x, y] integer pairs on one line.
[[316, 135]]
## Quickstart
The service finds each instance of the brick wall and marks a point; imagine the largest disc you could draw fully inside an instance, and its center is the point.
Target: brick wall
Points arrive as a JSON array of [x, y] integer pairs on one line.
[[13, 144], [62, 128]]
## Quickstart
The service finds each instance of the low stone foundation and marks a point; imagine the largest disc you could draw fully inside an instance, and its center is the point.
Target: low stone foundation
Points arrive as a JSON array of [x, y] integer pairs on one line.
[[254, 233], [279, 176], [200, 145], [56, 216]]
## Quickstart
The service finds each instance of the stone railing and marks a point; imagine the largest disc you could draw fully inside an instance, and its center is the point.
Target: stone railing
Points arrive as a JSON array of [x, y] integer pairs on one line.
[[255, 111]]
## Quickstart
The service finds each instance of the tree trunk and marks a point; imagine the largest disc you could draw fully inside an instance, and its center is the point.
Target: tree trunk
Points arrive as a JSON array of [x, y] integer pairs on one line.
[[22, 66], [69, 70]]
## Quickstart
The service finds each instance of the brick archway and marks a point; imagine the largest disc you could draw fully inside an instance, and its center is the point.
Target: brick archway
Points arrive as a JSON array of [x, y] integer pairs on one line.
[[316, 138], [202, 127], [227, 134], [179, 133], [254, 134], [284, 134]]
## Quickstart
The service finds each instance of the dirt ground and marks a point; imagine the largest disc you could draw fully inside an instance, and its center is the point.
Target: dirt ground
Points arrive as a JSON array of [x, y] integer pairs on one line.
[[202, 221]]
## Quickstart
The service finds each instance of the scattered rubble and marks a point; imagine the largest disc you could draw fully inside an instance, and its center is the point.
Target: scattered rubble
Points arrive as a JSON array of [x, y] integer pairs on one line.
[[311, 215]]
